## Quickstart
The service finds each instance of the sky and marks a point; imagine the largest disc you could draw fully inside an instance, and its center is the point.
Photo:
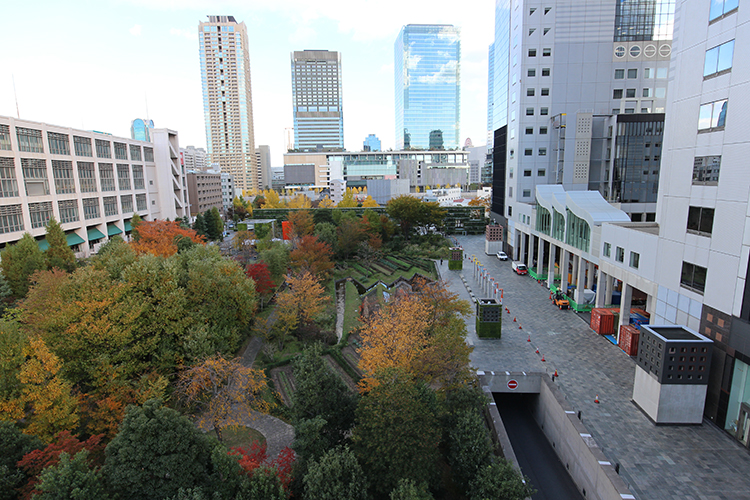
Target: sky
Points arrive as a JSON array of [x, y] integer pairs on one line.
[[97, 65]]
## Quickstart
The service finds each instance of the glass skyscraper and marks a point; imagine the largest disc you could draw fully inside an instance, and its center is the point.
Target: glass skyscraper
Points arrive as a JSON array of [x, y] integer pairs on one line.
[[427, 77], [140, 129]]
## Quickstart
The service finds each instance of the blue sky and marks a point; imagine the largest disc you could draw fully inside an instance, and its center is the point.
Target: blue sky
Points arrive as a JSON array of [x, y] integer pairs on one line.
[[97, 65]]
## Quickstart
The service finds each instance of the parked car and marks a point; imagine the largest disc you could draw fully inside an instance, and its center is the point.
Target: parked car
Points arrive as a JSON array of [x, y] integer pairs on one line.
[[502, 255], [520, 268]]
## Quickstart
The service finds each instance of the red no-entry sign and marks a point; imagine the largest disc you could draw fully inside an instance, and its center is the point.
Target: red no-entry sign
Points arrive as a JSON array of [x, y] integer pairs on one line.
[[512, 384]]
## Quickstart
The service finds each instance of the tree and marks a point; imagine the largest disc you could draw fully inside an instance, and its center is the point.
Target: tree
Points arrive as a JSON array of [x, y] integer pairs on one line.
[[71, 479], [501, 481], [260, 274], [223, 391], [301, 222], [255, 461], [313, 256], [264, 485], [411, 212], [347, 201], [350, 232], [214, 226], [272, 199], [158, 237], [276, 255], [199, 226], [58, 254], [407, 489], [19, 262], [305, 297], [13, 446], [326, 202], [469, 447], [156, 452], [300, 201], [134, 223], [326, 232], [335, 476], [370, 202], [397, 433]]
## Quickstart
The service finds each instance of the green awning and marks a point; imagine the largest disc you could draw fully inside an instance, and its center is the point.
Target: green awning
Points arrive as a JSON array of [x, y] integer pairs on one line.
[[113, 230], [74, 239], [43, 244], [94, 234], [128, 227]]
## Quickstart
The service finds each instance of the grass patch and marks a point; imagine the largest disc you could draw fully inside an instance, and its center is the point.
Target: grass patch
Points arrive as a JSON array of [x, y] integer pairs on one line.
[[351, 311], [240, 437]]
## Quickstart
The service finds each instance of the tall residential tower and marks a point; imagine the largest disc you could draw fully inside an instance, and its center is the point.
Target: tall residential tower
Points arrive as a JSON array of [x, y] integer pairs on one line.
[[316, 100], [227, 100], [427, 78]]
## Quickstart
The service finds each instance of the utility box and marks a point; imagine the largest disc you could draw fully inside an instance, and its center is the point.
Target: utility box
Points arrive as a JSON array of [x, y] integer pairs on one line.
[[489, 322], [671, 375], [456, 262]]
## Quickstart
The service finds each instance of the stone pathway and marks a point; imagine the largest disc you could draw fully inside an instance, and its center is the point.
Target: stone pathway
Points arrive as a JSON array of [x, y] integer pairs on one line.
[[657, 462]]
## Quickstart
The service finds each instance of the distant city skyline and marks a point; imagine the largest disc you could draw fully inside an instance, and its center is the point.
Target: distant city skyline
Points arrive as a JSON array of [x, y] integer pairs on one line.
[[144, 62]]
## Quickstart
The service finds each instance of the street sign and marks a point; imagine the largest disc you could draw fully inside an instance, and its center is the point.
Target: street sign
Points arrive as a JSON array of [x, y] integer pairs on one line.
[[512, 385]]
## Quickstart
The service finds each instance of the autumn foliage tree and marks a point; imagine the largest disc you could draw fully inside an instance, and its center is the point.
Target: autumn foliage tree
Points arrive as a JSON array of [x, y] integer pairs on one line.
[[160, 237], [260, 274], [302, 301], [312, 255], [222, 391], [302, 223]]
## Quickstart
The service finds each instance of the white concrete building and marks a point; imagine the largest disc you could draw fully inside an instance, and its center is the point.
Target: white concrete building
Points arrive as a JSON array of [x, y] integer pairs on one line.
[[92, 183], [194, 158]]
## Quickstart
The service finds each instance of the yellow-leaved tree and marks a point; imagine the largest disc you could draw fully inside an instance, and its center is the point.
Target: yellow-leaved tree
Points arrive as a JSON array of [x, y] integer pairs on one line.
[[326, 203], [271, 199], [348, 200], [370, 202], [300, 201], [302, 301]]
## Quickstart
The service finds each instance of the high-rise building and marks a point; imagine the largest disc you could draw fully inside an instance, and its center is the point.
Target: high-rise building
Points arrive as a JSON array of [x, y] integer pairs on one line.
[[263, 157], [316, 100], [427, 86], [140, 129], [372, 143], [194, 158], [227, 100]]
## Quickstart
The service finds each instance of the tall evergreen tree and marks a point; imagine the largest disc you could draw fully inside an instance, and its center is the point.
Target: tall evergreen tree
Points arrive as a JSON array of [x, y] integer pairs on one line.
[[19, 262], [199, 226], [58, 255], [134, 224], [218, 224], [209, 217]]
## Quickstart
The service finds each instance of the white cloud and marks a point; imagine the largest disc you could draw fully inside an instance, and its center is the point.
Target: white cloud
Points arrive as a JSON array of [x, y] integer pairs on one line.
[[136, 30], [190, 35]]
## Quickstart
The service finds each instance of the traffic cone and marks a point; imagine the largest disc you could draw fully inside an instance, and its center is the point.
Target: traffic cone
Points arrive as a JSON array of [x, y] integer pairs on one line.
[[556, 375], [596, 400], [543, 358], [514, 319], [537, 350], [528, 339], [519, 327]]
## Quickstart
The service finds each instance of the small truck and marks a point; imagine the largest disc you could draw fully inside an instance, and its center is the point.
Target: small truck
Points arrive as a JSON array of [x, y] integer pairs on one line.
[[519, 267]]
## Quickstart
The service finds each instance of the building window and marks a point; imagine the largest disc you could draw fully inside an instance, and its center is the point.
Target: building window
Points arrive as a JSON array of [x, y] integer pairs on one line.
[[619, 74], [531, 72], [121, 151], [62, 171], [140, 202], [634, 259], [617, 94], [510, 192], [510, 211], [546, 30], [544, 111], [545, 92], [135, 152], [541, 172], [5, 137], [542, 151], [543, 130], [721, 8], [110, 205], [718, 59], [532, 52], [123, 177], [647, 92], [35, 176], [138, 182], [529, 130], [82, 146], [68, 211], [91, 208], [8, 182], [546, 10], [620, 254], [148, 154], [86, 177], [700, 220], [530, 92], [107, 176], [527, 173], [29, 140], [126, 202], [712, 115], [527, 193], [531, 31], [528, 152], [630, 93], [706, 170], [648, 72], [11, 219], [607, 250], [59, 144], [546, 52], [693, 277], [40, 213], [103, 149], [633, 73], [545, 71]]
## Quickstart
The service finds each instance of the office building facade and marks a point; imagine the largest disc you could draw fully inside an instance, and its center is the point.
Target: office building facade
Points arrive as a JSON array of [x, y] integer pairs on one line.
[[427, 60], [204, 191], [227, 99], [194, 158], [317, 100], [371, 143], [91, 183], [263, 159]]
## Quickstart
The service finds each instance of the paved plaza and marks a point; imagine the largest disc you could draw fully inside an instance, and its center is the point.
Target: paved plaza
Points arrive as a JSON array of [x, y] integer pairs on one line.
[[657, 462]]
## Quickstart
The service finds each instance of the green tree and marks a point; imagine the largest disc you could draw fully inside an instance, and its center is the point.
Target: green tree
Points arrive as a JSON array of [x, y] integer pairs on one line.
[[19, 262], [335, 476], [134, 222], [326, 232], [210, 217], [13, 446], [276, 255], [500, 481], [411, 213], [156, 452], [114, 256], [58, 254], [218, 224], [397, 433], [263, 485], [71, 479], [321, 215], [469, 447], [349, 233], [199, 226], [407, 489]]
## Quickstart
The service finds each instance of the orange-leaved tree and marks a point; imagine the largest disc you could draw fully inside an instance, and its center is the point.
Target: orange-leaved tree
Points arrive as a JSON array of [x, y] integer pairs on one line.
[[302, 301], [222, 391], [312, 255], [302, 223], [161, 237]]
